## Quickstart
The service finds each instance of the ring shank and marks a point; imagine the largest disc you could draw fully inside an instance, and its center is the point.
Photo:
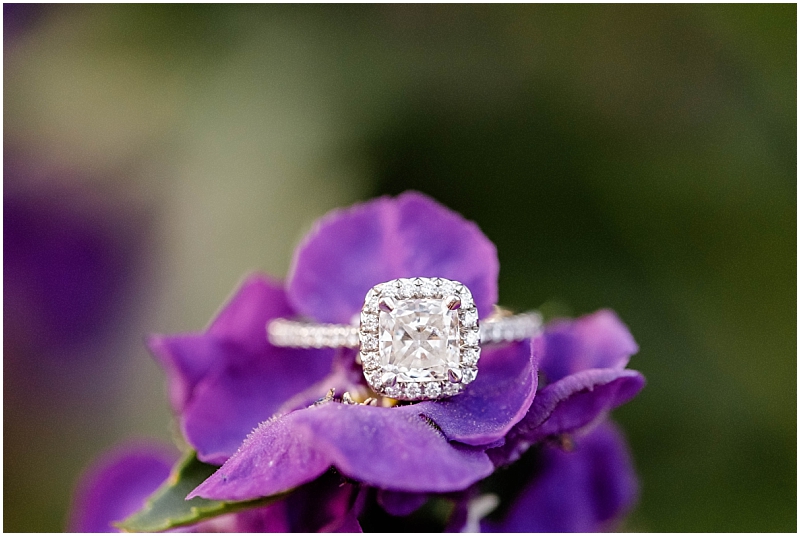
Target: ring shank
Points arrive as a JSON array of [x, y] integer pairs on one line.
[[298, 334]]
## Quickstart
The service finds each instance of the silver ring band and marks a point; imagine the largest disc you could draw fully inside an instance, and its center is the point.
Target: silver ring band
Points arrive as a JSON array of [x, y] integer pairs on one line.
[[298, 334]]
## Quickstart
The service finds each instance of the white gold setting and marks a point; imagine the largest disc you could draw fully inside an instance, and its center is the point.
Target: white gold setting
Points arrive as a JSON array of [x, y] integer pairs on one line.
[[418, 338]]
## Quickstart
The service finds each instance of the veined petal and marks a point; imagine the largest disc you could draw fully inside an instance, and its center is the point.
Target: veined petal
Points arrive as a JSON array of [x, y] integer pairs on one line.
[[351, 250], [497, 399], [223, 382], [381, 447], [598, 340], [584, 490]]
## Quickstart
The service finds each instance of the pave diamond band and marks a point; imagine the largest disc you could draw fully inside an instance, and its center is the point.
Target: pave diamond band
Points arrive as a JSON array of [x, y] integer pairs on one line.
[[418, 339], [299, 334]]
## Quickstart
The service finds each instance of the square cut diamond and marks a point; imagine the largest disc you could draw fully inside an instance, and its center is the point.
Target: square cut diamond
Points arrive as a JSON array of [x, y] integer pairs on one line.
[[418, 339], [413, 343]]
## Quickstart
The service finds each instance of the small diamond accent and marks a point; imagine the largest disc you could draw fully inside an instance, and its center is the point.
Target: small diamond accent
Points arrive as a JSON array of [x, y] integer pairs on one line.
[[433, 389], [471, 338], [393, 392], [369, 342], [371, 302], [428, 288], [369, 322], [469, 318], [374, 379], [468, 374], [447, 288], [451, 389], [389, 290], [370, 360], [413, 390], [464, 292], [469, 356], [407, 288]]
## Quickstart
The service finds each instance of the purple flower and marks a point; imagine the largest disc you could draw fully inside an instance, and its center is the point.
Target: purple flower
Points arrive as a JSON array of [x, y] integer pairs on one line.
[[229, 380], [250, 406]]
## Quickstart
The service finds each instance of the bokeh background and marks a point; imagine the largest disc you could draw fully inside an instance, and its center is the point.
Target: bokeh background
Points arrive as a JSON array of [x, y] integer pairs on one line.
[[641, 158]]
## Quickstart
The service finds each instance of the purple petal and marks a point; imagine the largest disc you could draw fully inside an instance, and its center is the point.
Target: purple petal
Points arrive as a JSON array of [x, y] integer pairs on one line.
[[272, 518], [569, 405], [325, 505], [400, 503], [497, 399], [225, 381], [349, 251], [599, 340], [580, 491], [577, 400], [117, 485], [382, 447]]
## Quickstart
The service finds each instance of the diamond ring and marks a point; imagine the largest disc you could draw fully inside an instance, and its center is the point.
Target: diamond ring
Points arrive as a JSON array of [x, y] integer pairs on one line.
[[419, 338]]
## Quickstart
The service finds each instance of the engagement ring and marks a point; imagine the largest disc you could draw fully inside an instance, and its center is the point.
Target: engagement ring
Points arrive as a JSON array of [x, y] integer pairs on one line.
[[419, 338]]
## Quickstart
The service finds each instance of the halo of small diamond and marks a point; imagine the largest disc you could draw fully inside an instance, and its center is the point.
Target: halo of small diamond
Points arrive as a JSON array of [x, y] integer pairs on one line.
[[446, 287], [467, 332], [469, 356], [428, 288], [468, 317], [369, 342], [471, 337], [370, 361], [468, 374], [433, 389], [450, 389], [412, 390]]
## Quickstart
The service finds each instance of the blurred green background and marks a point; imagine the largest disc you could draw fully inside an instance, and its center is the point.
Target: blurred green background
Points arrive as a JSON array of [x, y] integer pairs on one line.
[[641, 158]]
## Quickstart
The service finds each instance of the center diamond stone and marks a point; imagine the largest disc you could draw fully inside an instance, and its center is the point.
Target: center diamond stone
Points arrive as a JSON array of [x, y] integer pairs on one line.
[[418, 339]]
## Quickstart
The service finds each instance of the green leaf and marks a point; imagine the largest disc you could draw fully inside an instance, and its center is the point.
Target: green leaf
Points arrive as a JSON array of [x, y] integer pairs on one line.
[[168, 508]]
